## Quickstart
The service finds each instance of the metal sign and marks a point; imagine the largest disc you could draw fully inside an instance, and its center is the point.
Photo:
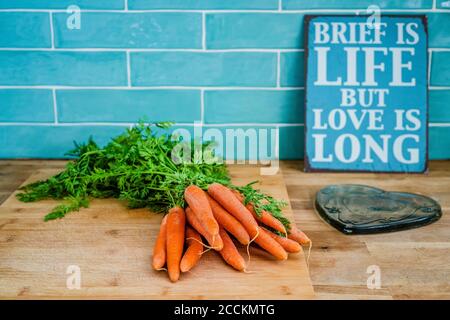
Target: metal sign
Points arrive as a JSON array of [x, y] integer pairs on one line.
[[366, 94]]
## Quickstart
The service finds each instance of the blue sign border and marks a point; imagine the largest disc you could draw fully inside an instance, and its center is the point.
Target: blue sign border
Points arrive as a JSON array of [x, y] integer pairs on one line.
[[306, 22]]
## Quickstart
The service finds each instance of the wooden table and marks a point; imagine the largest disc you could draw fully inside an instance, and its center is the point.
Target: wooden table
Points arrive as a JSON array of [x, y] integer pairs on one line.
[[109, 246], [413, 263]]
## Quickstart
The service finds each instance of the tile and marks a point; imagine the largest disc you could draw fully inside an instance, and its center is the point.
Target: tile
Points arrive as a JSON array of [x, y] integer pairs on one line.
[[25, 30], [130, 30], [292, 69], [439, 105], [439, 143], [203, 4], [128, 105], [250, 106], [26, 105], [440, 69], [50, 142], [62, 68], [355, 4], [203, 69], [292, 142], [249, 30], [61, 4], [438, 30]]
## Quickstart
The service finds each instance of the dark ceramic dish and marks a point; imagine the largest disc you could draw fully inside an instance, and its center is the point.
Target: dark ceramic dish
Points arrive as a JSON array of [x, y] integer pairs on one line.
[[359, 209]]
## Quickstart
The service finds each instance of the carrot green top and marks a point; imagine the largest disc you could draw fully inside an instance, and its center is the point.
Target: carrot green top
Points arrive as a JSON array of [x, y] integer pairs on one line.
[[140, 167]]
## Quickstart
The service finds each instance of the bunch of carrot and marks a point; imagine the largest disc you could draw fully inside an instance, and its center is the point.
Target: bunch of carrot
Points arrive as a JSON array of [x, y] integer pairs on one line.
[[215, 215]]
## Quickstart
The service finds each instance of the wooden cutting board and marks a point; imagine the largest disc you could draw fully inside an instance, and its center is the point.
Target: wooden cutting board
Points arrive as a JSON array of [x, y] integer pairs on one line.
[[112, 246]]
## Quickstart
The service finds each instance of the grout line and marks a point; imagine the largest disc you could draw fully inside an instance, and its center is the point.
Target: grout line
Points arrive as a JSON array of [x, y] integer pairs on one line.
[[156, 49], [429, 68], [254, 124], [52, 34], [439, 125], [438, 88], [278, 69], [203, 31], [55, 106], [151, 88], [439, 49], [330, 11], [274, 50], [189, 124], [170, 88], [202, 106], [119, 124], [128, 69], [126, 5], [277, 143], [434, 5], [67, 124], [280, 6]]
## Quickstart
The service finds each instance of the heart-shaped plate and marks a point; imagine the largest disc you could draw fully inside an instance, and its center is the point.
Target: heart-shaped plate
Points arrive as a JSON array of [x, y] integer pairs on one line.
[[359, 209]]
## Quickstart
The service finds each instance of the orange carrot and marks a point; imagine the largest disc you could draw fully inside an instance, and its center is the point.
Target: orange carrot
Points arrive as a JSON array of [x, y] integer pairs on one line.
[[238, 195], [194, 250], [199, 204], [298, 235], [228, 222], [266, 242], [215, 242], [159, 250], [267, 219], [229, 252], [228, 200], [289, 245], [176, 221]]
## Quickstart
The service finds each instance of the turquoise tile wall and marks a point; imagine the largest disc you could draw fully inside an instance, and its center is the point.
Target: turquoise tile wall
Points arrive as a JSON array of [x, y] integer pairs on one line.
[[234, 69], [203, 4], [292, 71], [261, 106], [65, 68], [62, 4], [27, 105], [139, 30], [30, 29], [249, 30], [440, 68], [223, 64], [439, 106], [356, 4], [128, 105]]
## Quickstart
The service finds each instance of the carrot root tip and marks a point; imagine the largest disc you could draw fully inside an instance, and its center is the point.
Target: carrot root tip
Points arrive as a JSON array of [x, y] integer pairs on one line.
[[208, 249], [248, 254], [309, 253], [161, 269], [248, 247], [205, 245]]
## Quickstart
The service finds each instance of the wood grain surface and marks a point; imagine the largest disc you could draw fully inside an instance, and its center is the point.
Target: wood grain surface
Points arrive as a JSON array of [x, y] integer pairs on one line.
[[413, 263], [112, 247]]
